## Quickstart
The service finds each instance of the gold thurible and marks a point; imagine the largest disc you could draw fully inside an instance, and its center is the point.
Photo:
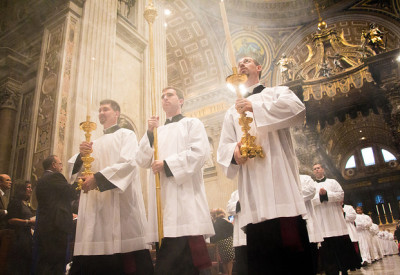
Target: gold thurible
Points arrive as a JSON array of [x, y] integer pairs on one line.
[[248, 148], [87, 126], [150, 15]]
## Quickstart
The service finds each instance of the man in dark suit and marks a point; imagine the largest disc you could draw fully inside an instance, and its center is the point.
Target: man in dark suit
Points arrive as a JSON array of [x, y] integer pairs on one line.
[[5, 186], [54, 218]]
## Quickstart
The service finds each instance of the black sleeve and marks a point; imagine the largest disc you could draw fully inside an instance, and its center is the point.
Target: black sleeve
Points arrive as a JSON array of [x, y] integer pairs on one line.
[[233, 161], [150, 135], [77, 165], [237, 207], [323, 198], [103, 183], [168, 171]]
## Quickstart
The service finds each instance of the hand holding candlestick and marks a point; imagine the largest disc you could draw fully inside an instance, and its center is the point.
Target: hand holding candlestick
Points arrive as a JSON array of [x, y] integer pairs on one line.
[[88, 126], [248, 148]]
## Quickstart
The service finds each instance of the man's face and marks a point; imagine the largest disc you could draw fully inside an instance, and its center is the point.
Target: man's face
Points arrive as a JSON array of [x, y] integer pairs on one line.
[[5, 184], [57, 164], [247, 66], [171, 103], [29, 190], [318, 171], [107, 116], [359, 210]]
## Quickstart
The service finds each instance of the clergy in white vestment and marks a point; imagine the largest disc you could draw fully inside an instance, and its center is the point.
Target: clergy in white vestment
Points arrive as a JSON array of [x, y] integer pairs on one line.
[[111, 228], [376, 244], [239, 237], [350, 216], [183, 148], [363, 223], [392, 243], [269, 188], [337, 252], [313, 227]]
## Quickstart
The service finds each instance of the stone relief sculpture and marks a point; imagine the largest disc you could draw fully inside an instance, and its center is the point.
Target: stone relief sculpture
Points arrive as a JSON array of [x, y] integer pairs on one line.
[[286, 67], [373, 38]]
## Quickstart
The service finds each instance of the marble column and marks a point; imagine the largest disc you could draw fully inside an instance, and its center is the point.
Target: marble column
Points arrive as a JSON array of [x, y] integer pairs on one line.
[[98, 35]]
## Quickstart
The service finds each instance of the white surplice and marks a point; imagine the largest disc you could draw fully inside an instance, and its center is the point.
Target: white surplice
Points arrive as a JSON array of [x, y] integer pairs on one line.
[[185, 147], [330, 213], [377, 247], [350, 217], [239, 237], [268, 187], [113, 221], [363, 223], [313, 226]]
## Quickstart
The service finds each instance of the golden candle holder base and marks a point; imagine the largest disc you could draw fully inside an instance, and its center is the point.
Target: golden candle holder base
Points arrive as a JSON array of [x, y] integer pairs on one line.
[[248, 149], [380, 222], [386, 221], [87, 126]]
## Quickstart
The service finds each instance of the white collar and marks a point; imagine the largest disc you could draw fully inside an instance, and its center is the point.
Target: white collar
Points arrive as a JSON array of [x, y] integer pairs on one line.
[[2, 192]]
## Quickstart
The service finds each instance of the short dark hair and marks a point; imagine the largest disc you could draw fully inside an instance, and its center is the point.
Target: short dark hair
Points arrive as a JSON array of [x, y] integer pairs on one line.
[[179, 92], [47, 162], [255, 62], [320, 164], [114, 105], [1, 178]]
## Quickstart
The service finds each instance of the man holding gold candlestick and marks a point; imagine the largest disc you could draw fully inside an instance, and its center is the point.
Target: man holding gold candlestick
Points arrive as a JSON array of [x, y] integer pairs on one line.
[[269, 188], [183, 149], [110, 234]]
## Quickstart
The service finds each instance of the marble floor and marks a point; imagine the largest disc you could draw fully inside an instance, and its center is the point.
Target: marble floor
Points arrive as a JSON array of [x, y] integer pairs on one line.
[[390, 265]]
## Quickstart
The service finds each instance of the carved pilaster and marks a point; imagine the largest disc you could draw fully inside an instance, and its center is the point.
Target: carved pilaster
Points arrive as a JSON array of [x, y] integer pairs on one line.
[[10, 90], [60, 40], [10, 93]]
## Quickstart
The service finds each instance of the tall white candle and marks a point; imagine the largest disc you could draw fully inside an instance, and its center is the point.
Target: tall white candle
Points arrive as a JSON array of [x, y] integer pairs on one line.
[[227, 34], [90, 93], [383, 207], [377, 211], [390, 209]]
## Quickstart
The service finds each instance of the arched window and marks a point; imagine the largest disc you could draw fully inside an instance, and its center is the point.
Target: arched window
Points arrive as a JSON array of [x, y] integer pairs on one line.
[[368, 156], [387, 156], [351, 162]]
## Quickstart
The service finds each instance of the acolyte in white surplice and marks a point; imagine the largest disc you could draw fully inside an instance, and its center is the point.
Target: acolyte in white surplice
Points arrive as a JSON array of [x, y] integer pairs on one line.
[[268, 187], [313, 225], [330, 213], [185, 147], [113, 221]]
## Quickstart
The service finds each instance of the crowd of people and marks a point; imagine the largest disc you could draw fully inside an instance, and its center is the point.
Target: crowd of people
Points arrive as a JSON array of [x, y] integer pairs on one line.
[[284, 223]]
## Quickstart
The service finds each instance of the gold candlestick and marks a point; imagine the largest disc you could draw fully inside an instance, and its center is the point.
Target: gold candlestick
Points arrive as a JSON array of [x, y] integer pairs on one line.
[[248, 149], [391, 213], [87, 126], [379, 216], [386, 221]]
